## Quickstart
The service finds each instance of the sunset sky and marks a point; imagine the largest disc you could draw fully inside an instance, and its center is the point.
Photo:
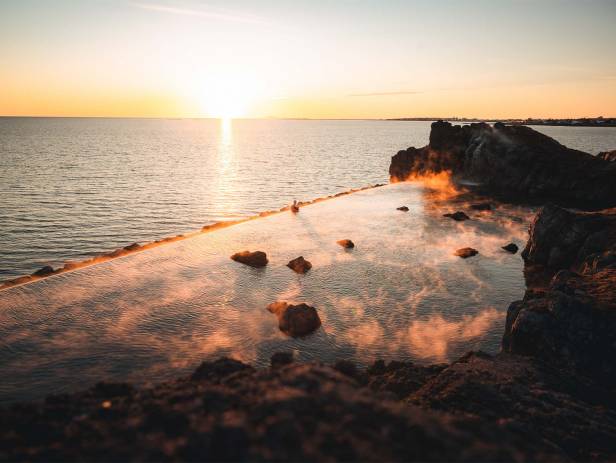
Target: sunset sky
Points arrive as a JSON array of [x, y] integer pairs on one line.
[[313, 59]]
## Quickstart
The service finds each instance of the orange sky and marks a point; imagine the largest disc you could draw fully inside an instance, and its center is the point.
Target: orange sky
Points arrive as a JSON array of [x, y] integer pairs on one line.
[[348, 59]]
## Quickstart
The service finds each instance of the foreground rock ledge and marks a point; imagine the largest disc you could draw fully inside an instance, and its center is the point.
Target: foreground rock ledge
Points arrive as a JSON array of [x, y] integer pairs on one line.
[[499, 408]]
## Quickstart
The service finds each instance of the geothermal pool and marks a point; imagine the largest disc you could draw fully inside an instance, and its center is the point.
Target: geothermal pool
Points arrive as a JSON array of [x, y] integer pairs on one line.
[[154, 315]]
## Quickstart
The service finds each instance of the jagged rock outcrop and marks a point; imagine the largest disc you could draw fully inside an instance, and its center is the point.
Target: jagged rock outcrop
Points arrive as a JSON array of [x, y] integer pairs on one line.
[[255, 259], [572, 319], [514, 162]]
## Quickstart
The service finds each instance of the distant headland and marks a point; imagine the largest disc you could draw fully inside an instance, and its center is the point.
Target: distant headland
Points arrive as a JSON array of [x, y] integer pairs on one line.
[[579, 122]]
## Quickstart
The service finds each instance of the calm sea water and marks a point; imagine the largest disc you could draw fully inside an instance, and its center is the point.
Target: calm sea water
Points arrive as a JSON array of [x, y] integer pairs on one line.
[[73, 188]]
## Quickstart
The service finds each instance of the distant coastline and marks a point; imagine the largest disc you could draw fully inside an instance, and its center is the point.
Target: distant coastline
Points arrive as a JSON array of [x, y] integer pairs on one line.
[[579, 122]]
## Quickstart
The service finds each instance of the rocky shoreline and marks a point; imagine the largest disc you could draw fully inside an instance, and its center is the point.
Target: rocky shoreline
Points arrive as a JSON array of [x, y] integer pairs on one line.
[[549, 395]]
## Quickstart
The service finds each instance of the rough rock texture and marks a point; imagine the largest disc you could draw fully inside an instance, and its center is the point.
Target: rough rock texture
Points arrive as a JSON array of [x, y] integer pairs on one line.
[[607, 155], [480, 408], [254, 259], [299, 265], [458, 216], [514, 162], [572, 319], [347, 244], [466, 252], [295, 320]]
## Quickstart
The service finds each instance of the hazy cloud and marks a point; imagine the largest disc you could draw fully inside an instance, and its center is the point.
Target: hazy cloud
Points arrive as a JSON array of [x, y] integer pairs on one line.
[[204, 13]]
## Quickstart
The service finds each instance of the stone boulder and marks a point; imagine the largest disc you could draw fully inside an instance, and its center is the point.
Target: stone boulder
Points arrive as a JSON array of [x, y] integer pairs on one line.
[[403, 208], [347, 244], [514, 162], [254, 259], [458, 216], [465, 253], [295, 320], [299, 265], [511, 247]]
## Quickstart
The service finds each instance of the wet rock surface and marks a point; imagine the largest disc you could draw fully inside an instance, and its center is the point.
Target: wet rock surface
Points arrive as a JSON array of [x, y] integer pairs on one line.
[[299, 265], [514, 162], [465, 253], [458, 216], [403, 208], [295, 320], [254, 259], [511, 248], [347, 244]]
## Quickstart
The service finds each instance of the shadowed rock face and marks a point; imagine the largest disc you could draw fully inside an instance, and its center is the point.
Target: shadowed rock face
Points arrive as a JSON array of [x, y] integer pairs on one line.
[[572, 319], [254, 259], [515, 162]]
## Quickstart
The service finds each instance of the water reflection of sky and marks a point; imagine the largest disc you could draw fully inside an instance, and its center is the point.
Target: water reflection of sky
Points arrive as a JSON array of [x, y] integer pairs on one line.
[[401, 293]]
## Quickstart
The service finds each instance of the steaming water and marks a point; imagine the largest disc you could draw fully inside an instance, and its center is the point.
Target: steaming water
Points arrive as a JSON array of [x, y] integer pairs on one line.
[[74, 188], [399, 294]]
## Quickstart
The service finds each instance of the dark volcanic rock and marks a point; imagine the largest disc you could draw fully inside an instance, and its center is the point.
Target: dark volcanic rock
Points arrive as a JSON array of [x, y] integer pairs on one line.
[[347, 244], [511, 247], [466, 252], [295, 320], [403, 208], [299, 265], [298, 412], [458, 216], [254, 259], [44, 271], [572, 320], [515, 162], [481, 207], [532, 397], [608, 155]]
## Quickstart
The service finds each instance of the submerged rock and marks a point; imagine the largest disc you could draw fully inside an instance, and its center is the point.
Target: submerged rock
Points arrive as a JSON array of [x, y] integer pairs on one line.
[[299, 265], [466, 252], [132, 247], [515, 162], [295, 320], [403, 208], [253, 259], [347, 244], [280, 359], [511, 247], [458, 216]]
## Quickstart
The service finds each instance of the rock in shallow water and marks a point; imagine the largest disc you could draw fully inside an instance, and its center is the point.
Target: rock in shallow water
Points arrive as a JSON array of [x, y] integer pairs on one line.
[[299, 265], [511, 247], [402, 208], [466, 252], [44, 271], [254, 259], [347, 244], [295, 320], [458, 216]]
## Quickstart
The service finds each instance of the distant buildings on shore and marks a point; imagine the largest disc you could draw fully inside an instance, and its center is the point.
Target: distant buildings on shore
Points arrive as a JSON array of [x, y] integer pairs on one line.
[[580, 122]]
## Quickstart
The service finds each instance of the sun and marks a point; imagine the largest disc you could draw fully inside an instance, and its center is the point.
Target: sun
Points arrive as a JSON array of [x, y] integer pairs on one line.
[[226, 97]]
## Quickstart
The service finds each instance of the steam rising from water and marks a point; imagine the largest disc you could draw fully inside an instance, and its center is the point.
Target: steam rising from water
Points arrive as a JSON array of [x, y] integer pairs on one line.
[[400, 294]]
